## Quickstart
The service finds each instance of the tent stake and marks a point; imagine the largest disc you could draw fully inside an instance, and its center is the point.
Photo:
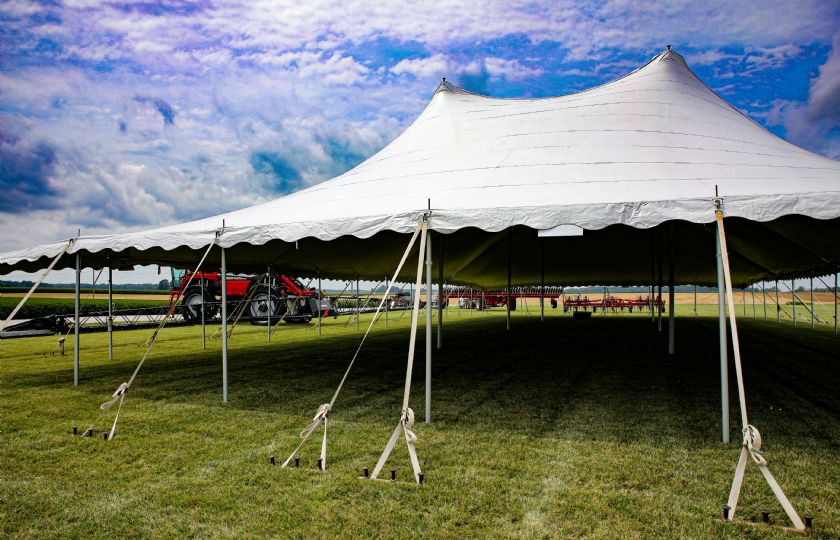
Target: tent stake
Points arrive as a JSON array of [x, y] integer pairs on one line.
[[76, 321], [224, 330], [110, 312], [507, 291], [724, 364], [428, 327]]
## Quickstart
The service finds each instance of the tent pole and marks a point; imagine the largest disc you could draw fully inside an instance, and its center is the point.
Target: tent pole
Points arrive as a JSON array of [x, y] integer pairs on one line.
[[320, 307], [507, 291], [542, 280], [358, 309], [695, 300], [778, 306], [752, 293], [110, 311], [224, 331], [812, 301], [386, 300], [76, 321], [659, 295], [203, 328], [652, 276], [428, 328], [671, 289], [472, 307], [764, 297], [440, 296], [793, 299], [724, 364], [268, 307], [835, 303]]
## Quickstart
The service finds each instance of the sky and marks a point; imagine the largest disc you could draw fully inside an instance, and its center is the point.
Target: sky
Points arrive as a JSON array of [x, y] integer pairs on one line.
[[121, 116]]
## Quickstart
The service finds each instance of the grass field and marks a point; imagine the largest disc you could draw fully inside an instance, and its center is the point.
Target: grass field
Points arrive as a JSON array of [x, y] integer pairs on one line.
[[555, 429]]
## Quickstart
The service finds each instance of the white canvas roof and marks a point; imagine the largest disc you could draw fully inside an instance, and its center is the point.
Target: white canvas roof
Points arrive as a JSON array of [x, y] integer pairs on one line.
[[619, 161]]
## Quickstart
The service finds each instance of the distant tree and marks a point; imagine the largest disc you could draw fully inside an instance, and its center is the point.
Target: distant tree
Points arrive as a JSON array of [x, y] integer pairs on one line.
[[163, 285]]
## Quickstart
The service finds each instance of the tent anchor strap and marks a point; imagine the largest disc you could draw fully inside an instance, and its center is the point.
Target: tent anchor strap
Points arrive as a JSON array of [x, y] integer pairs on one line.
[[118, 396], [406, 422], [324, 410], [751, 445]]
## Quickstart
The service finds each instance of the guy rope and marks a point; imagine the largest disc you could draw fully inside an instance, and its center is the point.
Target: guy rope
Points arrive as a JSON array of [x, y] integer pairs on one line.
[[118, 396], [751, 445], [322, 414]]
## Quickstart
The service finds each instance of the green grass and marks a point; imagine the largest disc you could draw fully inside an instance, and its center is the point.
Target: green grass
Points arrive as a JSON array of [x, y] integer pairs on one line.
[[555, 429], [100, 289]]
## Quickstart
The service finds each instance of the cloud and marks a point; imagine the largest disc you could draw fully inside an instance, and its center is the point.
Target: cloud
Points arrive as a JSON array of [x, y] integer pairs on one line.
[[165, 109]]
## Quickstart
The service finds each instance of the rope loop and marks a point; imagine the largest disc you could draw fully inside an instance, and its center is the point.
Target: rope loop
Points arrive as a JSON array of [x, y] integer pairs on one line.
[[407, 421], [117, 395], [320, 415], [752, 440]]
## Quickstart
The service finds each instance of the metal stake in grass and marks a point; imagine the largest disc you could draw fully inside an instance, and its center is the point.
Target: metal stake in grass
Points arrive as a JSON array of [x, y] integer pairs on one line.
[[271, 460], [765, 516]]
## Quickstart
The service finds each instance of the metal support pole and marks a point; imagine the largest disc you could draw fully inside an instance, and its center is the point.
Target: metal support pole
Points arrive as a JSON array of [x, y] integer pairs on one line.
[[659, 294], [695, 300], [386, 299], [203, 316], [793, 299], [507, 291], [652, 275], [812, 302], [764, 297], [440, 296], [542, 280], [224, 331], [472, 307], [320, 307], [110, 311], [778, 306], [358, 309], [724, 364], [835, 303], [671, 320], [428, 328], [752, 293], [269, 305], [77, 321]]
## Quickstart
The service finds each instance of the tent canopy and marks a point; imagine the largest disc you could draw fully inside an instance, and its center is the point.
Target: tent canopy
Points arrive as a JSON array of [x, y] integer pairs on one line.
[[635, 164]]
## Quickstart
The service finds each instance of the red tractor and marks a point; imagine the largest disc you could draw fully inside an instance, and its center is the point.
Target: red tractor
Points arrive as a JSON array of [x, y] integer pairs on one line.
[[290, 299]]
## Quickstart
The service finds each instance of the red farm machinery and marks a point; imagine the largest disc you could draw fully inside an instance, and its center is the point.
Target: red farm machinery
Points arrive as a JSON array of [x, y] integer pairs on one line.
[[279, 296]]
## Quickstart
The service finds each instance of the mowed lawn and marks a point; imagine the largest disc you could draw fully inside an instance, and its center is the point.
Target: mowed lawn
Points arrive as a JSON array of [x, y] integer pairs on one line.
[[559, 428]]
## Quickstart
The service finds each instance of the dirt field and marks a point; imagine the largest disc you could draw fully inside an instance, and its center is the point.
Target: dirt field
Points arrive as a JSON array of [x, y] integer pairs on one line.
[[85, 294]]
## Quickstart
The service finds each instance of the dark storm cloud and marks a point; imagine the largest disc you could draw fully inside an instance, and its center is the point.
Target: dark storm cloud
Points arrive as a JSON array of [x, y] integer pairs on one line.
[[25, 171], [165, 109]]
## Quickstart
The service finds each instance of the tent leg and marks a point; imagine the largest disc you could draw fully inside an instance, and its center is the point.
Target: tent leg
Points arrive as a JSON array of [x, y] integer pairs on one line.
[[224, 331], [428, 328], [659, 295], [812, 302], [386, 300], [440, 297], [320, 307], [764, 297], [793, 299], [203, 316], [268, 305], [724, 364], [77, 322], [752, 294], [671, 291], [542, 280], [778, 306], [835, 303], [507, 291], [110, 311], [652, 275], [695, 300]]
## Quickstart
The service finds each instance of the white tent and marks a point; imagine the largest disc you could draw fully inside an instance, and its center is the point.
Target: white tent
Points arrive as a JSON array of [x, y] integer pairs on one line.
[[617, 161]]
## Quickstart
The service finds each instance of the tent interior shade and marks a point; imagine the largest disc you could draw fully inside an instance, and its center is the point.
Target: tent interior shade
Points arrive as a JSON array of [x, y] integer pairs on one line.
[[636, 163]]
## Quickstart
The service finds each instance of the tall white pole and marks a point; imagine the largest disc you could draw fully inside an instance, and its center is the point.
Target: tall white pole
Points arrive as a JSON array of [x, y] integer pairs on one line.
[[440, 297], [671, 320], [507, 291], [724, 364], [358, 307], [752, 294], [224, 331], [320, 309], [812, 302], [764, 297], [386, 301], [77, 321], [428, 328], [203, 315], [110, 312]]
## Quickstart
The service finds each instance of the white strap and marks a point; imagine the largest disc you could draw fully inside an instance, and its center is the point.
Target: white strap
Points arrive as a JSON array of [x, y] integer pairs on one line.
[[320, 416]]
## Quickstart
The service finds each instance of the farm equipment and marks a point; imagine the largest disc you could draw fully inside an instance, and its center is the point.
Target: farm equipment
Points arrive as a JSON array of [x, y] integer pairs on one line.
[[612, 303], [280, 297]]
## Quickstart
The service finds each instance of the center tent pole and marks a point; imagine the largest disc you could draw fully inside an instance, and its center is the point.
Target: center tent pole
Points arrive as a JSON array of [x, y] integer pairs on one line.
[[542, 280], [724, 364], [224, 330], [812, 302], [671, 289], [428, 327], [507, 291], [110, 311], [76, 321], [440, 297]]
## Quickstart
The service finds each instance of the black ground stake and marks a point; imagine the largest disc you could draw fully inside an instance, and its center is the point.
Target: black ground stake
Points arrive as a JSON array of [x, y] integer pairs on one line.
[[765, 516], [75, 430], [105, 435], [726, 509], [366, 472], [271, 459], [297, 462], [809, 521], [420, 477], [320, 464], [393, 474], [89, 432]]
